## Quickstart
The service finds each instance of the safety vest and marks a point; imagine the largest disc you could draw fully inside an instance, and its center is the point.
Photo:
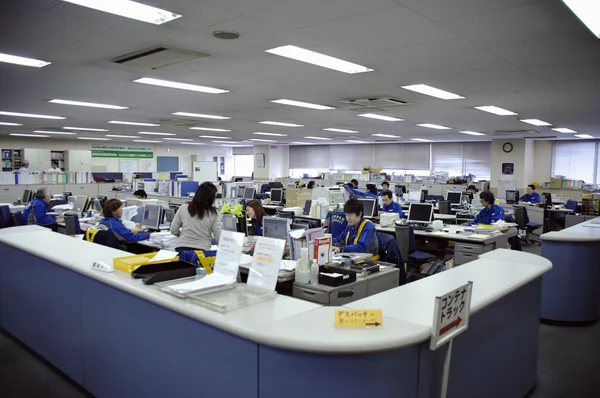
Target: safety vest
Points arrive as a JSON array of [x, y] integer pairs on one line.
[[360, 228]]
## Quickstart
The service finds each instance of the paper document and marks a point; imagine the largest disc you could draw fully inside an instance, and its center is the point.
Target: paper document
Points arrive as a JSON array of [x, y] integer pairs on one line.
[[288, 265], [210, 282], [230, 251], [164, 255], [266, 263], [128, 224], [129, 212], [478, 236]]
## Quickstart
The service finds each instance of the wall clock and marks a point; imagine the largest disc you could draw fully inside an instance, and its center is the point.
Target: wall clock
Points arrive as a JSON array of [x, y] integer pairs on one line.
[[507, 147]]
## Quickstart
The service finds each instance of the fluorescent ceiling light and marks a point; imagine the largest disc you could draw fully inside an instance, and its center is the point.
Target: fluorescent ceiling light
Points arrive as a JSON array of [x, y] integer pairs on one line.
[[93, 138], [83, 129], [227, 142], [193, 143], [272, 134], [420, 140], [201, 115], [14, 59], [88, 104], [10, 124], [120, 136], [495, 110], [311, 57], [130, 9], [432, 91], [209, 129], [261, 140], [318, 138], [471, 133], [588, 12], [386, 135], [564, 130], [381, 117], [302, 143], [179, 139], [54, 132], [133, 123], [30, 135], [218, 137], [148, 141], [281, 124], [357, 142], [583, 136], [536, 122], [302, 104], [181, 86], [32, 115], [153, 133], [340, 130], [434, 126]]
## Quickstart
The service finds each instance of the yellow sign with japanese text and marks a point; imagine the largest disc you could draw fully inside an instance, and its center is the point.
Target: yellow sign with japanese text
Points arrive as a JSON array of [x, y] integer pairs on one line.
[[358, 319]]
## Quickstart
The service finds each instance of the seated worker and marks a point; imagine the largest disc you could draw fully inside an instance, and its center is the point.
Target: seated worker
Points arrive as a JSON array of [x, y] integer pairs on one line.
[[385, 186], [311, 185], [369, 193], [490, 213], [256, 212], [531, 196], [140, 194], [472, 189], [37, 209], [354, 182], [112, 212], [389, 206], [359, 236]]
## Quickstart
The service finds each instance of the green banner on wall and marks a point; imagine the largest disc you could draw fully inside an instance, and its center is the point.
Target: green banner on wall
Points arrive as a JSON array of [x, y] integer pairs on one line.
[[122, 154]]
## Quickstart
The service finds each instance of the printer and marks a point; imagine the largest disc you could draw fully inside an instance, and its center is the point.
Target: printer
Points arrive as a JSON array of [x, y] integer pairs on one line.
[[388, 219]]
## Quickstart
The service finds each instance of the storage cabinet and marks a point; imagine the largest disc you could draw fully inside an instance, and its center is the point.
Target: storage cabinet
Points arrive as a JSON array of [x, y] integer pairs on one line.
[[39, 159], [82, 189], [78, 160], [10, 193]]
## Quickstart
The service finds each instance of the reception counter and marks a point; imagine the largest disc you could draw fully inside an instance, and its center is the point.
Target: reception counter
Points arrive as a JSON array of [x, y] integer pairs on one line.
[[117, 337], [571, 293]]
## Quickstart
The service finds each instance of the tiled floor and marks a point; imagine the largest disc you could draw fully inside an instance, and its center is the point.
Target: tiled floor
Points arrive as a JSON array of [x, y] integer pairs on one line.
[[568, 366]]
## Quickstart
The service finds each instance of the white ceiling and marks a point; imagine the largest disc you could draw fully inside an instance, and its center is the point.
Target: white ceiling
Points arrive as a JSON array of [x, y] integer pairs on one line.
[[530, 56]]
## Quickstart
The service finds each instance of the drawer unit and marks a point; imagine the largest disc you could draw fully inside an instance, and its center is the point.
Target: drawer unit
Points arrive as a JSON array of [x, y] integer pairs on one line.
[[469, 248], [463, 258], [386, 279], [328, 295]]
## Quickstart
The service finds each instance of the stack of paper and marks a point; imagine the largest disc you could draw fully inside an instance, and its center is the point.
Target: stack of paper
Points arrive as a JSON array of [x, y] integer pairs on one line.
[[210, 283], [163, 239]]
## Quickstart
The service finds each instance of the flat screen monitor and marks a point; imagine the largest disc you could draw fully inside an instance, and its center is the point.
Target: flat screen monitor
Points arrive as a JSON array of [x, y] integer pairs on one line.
[[307, 206], [27, 196], [424, 194], [420, 213], [239, 179], [414, 196], [102, 199], [400, 190], [241, 191], [79, 206], [368, 207], [454, 198], [152, 216], [249, 193], [512, 196], [548, 197], [277, 228], [311, 222], [277, 195], [230, 222]]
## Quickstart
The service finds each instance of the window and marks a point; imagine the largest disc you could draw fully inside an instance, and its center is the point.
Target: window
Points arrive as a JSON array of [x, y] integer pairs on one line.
[[243, 165], [462, 158], [576, 161]]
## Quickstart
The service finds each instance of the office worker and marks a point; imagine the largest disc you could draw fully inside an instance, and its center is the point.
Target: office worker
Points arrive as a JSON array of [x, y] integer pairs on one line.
[[256, 212], [359, 236], [385, 186], [54, 169], [531, 196], [37, 209], [369, 193], [311, 185], [389, 206], [196, 221], [491, 212], [354, 182], [112, 212], [140, 194], [24, 167]]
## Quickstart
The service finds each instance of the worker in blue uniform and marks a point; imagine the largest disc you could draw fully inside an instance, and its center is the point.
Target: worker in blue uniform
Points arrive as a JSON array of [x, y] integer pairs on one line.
[[369, 193], [36, 211], [112, 212], [531, 196], [491, 212], [360, 235], [389, 206]]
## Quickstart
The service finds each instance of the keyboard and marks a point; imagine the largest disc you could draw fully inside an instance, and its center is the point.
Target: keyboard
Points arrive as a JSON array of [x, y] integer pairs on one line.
[[420, 227]]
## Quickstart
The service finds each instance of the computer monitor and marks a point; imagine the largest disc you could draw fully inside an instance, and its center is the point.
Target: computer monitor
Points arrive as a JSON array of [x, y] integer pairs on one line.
[[241, 191], [424, 193], [27, 196], [311, 222], [420, 213], [80, 205], [152, 216], [368, 207], [275, 185], [307, 206], [230, 222], [169, 215], [400, 189], [277, 228], [239, 179], [250, 193], [414, 196], [548, 197], [512, 196], [102, 199], [454, 198], [277, 195]]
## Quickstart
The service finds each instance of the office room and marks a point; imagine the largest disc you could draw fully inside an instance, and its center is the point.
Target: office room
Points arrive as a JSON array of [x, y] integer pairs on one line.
[[303, 185]]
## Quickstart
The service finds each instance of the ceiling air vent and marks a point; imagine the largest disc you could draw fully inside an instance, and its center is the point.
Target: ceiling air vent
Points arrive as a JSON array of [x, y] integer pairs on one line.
[[157, 57], [506, 133], [376, 102]]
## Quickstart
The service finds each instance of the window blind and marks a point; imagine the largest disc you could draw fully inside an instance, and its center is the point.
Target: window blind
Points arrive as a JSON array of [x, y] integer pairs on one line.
[[339, 157], [447, 157], [416, 156], [477, 158], [575, 160], [246, 150]]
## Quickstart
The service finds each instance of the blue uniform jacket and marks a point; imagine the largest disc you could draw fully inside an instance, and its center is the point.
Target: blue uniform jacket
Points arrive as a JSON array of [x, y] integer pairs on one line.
[[489, 216], [533, 198], [115, 225], [393, 208], [367, 241], [360, 193], [35, 213], [258, 231]]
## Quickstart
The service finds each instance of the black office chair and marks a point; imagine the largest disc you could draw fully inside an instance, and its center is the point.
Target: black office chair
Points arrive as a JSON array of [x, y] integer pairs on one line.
[[5, 217], [523, 223], [17, 218], [105, 238], [444, 207]]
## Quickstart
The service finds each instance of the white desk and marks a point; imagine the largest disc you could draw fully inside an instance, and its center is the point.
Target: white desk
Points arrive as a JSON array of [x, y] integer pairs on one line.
[[444, 217]]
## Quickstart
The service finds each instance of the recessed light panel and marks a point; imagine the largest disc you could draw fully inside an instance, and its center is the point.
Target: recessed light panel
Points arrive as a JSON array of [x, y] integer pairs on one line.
[[564, 130], [271, 134], [315, 58], [381, 117], [93, 138], [181, 86], [471, 133], [340, 130], [31, 115], [29, 135], [201, 115], [209, 129], [588, 12], [120, 136], [148, 141], [14, 59], [154, 133], [83, 129], [87, 104], [536, 122], [134, 123], [302, 104], [318, 138], [434, 126], [495, 110], [421, 140], [218, 137], [9, 124], [386, 135], [432, 91], [261, 140], [130, 9], [54, 132], [357, 142], [583, 136], [281, 124]]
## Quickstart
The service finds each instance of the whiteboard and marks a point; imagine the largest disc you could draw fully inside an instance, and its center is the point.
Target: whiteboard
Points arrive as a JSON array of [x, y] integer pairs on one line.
[[204, 171], [128, 165], [148, 165]]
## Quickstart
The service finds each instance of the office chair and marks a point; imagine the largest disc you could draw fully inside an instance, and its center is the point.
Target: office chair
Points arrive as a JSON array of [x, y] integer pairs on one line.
[[17, 219], [265, 188], [523, 223], [405, 237], [444, 207], [571, 205], [5, 217], [104, 238], [390, 253], [336, 223]]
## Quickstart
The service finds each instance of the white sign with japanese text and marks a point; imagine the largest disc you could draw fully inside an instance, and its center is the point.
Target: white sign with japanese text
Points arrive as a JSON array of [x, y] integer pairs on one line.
[[266, 262], [229, 254], [451, 315]]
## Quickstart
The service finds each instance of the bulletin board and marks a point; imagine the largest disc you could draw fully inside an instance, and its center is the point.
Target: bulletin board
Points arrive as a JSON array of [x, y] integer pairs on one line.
[[128, 165]]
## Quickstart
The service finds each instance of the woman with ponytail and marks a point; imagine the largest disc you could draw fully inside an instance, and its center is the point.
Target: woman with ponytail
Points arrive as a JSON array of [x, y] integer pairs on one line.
[[198, 221]]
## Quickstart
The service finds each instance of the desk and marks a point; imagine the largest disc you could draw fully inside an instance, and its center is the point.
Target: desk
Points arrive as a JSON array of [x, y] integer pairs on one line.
[[14, 208], [81, 321], [571, 294], [553, 220], [445, 217]]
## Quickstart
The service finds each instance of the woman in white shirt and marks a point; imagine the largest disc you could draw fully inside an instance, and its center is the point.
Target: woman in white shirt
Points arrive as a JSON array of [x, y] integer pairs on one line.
[[198, 221], [54, 168]]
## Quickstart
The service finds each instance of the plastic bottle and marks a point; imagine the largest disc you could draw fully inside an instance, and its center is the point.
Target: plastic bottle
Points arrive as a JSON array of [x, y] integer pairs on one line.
[[302, 270], [314, 273]]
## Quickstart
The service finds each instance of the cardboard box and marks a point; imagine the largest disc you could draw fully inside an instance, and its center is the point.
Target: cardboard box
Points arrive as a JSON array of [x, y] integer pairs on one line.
[[556, 183]]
